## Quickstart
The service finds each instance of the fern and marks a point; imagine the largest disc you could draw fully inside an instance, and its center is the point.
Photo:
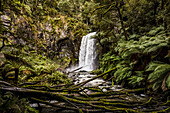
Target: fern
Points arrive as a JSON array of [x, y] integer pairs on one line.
[[135, 80], [108, 61], [137, 54], [122, 73], [145, 45], [168, 82], [130, 52], [155, 31], [158, 75]]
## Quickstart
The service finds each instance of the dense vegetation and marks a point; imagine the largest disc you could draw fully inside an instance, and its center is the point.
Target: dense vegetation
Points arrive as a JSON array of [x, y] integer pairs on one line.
[[40, 38]]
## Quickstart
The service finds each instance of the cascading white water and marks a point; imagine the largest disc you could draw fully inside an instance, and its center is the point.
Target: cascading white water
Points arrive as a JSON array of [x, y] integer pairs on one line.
[[87, 62], [88, 54]]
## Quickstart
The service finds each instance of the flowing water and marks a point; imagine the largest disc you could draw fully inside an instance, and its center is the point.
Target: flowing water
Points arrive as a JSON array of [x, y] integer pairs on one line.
[[88, 61], [88, 55]]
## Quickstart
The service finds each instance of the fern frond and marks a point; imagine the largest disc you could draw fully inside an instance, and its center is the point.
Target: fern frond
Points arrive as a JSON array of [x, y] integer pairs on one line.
[[130, 52], [135, 80], [157, 74], [155, 31], [124, 76], [153, 65], [156, 85], [122, 73], [168, 82], [163, 66], [156, 47], [117, 73], [159, 71]]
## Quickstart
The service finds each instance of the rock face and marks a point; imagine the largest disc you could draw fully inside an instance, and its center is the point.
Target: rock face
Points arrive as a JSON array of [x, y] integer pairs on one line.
[[88, 55]]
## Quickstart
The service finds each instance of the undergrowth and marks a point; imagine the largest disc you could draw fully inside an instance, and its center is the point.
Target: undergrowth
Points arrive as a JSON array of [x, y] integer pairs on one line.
[[31, 68], [143, 61]]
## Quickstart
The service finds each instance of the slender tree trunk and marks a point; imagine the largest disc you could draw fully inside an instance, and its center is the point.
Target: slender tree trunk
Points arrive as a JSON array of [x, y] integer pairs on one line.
[[16, 75], [121, 20]]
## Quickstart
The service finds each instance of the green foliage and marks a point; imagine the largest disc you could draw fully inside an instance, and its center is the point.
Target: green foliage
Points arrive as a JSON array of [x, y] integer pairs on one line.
[[137, 79], [108, 61], [139, 53], [132, 57], [122, 73], [159, 75], [44, 70], [168, 82], [143, 14], [39, 24], [50, 80], [33, 68], [145, 45], [10, 103]]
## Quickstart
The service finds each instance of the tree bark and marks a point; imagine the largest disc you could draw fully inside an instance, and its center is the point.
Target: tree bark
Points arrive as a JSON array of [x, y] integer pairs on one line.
[[16, 75]]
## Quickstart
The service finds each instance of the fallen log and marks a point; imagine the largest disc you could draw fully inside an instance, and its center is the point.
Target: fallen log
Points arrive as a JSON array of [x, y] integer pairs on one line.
[[66, 107]]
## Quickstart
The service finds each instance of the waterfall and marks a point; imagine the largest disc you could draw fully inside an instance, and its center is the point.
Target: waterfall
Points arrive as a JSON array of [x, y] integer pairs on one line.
[[88, 54], [88, 61]]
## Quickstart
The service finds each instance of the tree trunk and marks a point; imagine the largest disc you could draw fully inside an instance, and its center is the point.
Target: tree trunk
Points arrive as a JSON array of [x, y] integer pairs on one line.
[[16, 75], [121, 20]]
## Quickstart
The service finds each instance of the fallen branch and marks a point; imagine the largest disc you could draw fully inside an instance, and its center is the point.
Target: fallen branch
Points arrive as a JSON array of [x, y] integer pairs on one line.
[[85, 82]]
